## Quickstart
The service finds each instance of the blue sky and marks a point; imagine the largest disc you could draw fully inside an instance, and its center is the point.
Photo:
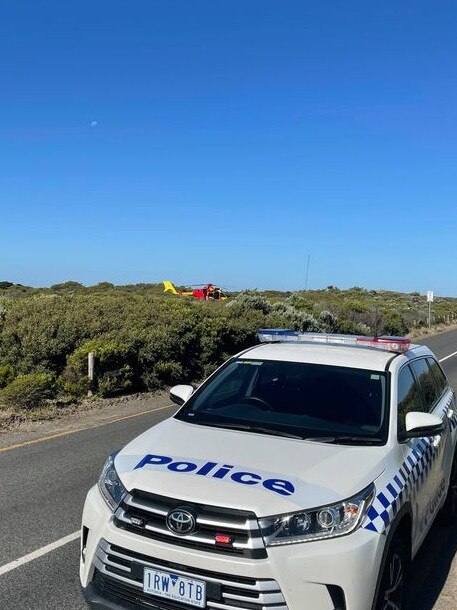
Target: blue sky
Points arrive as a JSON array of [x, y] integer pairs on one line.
[[208, 140]]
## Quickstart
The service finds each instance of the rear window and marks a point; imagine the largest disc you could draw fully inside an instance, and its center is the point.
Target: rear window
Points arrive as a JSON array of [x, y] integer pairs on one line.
[[309, 400]]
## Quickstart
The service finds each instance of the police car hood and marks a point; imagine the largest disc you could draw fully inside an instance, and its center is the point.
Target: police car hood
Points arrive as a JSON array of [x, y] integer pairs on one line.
[[245, 470]]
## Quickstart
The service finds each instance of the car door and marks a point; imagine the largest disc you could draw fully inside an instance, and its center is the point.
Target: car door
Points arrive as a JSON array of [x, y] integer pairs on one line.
[[447, 407], [417, 480], [431, 467]]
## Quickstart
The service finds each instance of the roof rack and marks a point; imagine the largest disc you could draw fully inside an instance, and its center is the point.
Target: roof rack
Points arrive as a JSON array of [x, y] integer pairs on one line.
[[283, 335]]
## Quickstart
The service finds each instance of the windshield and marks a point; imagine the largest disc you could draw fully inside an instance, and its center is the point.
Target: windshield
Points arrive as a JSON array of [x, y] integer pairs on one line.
[[312, 401]]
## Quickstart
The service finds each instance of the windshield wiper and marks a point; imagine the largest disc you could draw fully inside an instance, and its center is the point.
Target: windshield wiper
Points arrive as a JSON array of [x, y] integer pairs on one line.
[[347, 440], [251, 428]]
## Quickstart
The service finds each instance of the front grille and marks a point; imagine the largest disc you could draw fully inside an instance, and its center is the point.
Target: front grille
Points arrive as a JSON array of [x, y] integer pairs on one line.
[[119, 575], [145, 514]]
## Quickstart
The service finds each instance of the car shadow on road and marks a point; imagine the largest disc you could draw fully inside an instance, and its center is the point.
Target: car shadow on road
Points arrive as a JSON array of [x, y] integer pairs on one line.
[[431, 566]]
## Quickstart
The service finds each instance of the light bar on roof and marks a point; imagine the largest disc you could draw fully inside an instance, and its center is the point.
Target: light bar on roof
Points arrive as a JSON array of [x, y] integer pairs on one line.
[[281, 335], [392, 344]]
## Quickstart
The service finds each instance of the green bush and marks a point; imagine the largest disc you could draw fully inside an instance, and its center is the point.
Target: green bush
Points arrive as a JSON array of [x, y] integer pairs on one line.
[[6, 375], [115, 381], [250, 300], [113, 366], [145, 340], [347, 327], [163, 374], [394, 324], [28, 391], [287, 316], [328, 321]]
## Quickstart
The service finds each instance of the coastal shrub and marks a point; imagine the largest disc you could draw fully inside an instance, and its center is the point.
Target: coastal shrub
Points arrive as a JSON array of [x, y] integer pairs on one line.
[[144, 340], [328, 321], [394, 324], [6, 375], [28, 391], [286, 316], [115, 381], [114, 366], [348, 327], [163, 374], [250, 300]]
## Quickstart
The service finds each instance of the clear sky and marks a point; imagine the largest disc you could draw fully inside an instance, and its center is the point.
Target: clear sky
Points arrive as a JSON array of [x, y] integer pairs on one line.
[[227, 141]]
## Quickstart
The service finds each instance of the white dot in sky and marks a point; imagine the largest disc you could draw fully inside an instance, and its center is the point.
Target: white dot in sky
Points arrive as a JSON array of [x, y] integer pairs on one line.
[[94, 124]]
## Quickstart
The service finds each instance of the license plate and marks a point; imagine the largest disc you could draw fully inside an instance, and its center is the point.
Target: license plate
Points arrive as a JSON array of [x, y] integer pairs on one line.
[[175, 587]]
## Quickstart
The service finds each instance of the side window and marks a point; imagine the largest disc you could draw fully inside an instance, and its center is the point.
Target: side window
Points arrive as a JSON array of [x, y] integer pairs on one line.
[[409, 396], [439, 376], [426, 382]]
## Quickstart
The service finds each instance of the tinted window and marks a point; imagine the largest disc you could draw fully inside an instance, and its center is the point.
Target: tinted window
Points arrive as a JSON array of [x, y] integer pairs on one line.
[[409, 396], [308, 400], [439, 376], [426, 382]]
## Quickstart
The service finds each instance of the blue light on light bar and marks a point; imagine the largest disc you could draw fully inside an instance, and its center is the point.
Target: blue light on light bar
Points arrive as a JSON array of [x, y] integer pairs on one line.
[[267, 335]]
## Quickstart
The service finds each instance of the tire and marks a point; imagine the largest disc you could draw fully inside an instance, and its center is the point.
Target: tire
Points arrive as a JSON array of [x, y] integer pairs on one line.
[[448, 514], [392, 587]]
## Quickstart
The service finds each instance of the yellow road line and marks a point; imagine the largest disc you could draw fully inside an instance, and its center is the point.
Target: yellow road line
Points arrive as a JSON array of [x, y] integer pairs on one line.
[[68, 432]]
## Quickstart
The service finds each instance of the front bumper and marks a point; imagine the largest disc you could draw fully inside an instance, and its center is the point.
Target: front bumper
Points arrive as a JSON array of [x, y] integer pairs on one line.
[[335, 574], [95, 601]]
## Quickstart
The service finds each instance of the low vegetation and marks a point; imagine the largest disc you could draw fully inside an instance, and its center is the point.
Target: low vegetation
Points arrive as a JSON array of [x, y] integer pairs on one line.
[[143, 339]]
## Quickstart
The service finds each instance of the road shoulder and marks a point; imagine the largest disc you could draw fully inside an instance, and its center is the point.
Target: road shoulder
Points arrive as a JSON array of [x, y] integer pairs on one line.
[[89, 414]]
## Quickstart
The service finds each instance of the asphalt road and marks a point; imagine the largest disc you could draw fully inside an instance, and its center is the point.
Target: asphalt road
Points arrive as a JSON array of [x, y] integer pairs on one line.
[[42, 491]]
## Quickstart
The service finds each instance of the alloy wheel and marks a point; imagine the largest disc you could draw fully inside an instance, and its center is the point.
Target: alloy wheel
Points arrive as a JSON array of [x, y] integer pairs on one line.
[[392, 596]]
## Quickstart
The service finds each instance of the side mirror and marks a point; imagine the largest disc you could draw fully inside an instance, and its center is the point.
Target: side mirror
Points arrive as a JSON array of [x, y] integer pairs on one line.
[[420, 424], [180, 393]]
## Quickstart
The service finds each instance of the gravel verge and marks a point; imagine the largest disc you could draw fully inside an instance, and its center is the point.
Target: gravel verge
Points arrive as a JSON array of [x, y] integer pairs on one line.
[[87, 414]]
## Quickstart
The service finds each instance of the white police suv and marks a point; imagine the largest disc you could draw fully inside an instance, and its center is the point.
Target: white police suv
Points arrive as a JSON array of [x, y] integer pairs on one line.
[[303, 474]]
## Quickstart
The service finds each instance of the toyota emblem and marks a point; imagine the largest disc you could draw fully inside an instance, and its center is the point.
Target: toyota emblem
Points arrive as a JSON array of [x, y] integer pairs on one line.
[[181, 521]]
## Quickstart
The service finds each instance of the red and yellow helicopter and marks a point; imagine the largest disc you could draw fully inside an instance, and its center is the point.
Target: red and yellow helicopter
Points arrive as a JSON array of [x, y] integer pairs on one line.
[[207, 292]]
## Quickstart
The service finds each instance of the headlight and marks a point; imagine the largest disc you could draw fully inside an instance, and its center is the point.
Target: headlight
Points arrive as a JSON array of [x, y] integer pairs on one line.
[[110, 485], [319, 523]]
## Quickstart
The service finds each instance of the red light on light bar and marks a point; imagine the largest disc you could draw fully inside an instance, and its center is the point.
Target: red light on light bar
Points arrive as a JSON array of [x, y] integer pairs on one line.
[[223, 539], [394, 344]]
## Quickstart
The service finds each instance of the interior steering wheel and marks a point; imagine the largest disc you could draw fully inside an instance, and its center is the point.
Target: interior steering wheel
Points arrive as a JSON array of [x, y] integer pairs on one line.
[[260, 402]]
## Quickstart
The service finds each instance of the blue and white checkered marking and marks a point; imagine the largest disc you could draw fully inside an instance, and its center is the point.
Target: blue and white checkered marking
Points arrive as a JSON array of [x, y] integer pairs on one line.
[[406, 481]]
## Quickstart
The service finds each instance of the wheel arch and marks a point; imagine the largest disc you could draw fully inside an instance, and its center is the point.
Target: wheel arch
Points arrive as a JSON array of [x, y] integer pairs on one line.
[[401, 527]]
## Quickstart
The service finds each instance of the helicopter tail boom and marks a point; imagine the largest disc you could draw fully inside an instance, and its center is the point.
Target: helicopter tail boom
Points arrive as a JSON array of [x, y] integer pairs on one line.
[[168, 287]]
